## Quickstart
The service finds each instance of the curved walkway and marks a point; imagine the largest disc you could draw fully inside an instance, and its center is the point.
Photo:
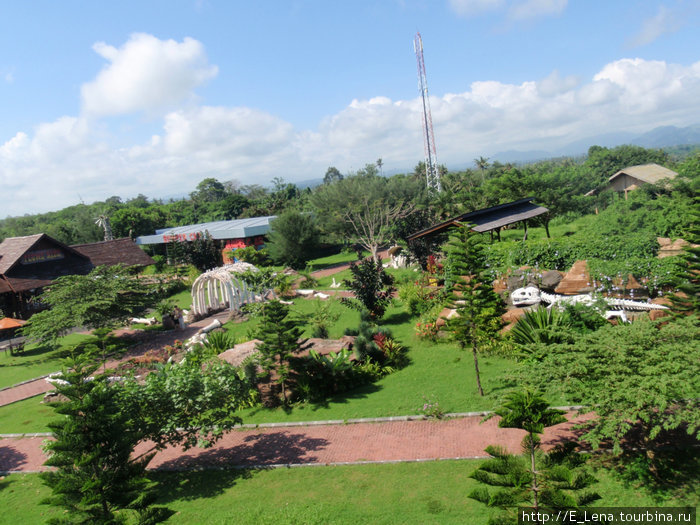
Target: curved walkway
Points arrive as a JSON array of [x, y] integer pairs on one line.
[[320, 444], [152, 340]]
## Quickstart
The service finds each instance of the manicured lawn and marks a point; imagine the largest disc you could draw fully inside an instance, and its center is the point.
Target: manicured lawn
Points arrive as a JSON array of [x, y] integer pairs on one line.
[[440, 372], [36, 361], [332, 260], [430, 492], [26, 416]]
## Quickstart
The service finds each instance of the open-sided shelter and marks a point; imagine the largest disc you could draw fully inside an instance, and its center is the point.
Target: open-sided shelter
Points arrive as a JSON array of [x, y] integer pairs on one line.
[[489, 219]]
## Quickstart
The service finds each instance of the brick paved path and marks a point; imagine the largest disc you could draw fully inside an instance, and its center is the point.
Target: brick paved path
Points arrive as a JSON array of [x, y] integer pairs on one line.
[[320, 444], [153, 340], [331, 270]]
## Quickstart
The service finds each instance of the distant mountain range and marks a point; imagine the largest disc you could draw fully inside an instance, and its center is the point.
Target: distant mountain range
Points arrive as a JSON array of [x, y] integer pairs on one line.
[[661, 137]]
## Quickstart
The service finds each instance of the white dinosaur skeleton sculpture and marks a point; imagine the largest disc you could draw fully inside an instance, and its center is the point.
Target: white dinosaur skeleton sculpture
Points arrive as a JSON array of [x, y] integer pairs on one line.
[[531, 295]]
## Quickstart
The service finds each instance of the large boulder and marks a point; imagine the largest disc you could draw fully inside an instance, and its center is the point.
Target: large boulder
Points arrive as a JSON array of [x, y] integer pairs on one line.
[[550, 280], [446, 313], [576, 281]]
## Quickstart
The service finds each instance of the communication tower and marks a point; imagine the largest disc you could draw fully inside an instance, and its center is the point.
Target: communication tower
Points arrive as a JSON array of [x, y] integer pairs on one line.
[[431, 171]]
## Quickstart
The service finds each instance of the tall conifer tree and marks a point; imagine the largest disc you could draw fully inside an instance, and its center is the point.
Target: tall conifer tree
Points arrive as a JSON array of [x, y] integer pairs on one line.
[[280, 335], [95, 479], [478, 307]]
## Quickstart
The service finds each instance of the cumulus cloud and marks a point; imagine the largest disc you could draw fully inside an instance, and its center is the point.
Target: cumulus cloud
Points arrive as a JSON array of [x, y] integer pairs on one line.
[[527, 9], [515, 9], [146, 74], [665, 21], [75, 155], [469, 8]]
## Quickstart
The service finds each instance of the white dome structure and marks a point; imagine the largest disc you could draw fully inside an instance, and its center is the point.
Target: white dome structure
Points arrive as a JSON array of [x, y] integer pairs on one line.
[[222, 288]]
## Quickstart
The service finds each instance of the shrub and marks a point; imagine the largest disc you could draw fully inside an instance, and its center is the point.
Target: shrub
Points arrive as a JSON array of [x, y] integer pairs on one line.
[[252, 255], [542, 325], [218, 342], [372, 287]]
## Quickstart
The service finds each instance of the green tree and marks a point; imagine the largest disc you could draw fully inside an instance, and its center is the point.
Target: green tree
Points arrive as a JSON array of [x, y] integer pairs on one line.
[[362, 207], [688, 300], [478, 307], [96, 480], [293, 239], [279, 334], [103, 299], [332, 175], [197, 401], [204, 252], [372, 288], [210, 190], [654, 371], [554, 480]]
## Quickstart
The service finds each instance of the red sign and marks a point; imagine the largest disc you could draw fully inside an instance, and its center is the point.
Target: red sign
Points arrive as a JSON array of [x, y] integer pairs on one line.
[[39, 256], [181, 237]]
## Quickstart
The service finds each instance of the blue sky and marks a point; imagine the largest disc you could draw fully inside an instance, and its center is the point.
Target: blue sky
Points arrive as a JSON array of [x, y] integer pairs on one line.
[[128, 97]]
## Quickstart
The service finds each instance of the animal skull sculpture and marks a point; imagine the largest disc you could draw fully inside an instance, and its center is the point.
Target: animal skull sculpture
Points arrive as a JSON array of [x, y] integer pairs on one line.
[[526, 296]]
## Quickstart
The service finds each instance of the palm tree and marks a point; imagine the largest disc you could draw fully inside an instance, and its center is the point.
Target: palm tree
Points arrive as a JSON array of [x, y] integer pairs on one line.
[[482, 163], [103, 222]]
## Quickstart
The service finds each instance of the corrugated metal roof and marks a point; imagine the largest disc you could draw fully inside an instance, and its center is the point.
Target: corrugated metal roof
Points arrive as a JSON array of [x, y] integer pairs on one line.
[[489, 218], [234, 229], [649, 173]]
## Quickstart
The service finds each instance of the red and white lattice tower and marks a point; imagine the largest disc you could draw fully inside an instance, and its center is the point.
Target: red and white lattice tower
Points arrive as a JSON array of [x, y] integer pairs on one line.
[[431, 170]]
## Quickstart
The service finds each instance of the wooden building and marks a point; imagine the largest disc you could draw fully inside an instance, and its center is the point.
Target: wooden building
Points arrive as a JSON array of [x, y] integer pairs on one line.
[[28, 264], [631, 178]]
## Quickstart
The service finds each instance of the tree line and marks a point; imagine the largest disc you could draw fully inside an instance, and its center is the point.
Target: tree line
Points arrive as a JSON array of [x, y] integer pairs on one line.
[[363, 206]]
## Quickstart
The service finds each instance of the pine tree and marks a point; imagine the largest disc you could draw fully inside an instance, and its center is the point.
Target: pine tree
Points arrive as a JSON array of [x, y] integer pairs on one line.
[[689, 301], [555, 480], [95, 479], [372, 288], [280, 335], [478, 307]]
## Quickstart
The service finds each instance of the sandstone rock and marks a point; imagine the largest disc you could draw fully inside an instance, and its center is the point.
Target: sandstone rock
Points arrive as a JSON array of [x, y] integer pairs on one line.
[[446, 313], [576, 281], [658, 314], [511, 316]]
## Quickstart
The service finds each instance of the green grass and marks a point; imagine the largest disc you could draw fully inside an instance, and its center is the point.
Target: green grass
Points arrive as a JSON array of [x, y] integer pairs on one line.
[[35, 361], [26, 416], [412, 493], [332, 260], [440, 372]]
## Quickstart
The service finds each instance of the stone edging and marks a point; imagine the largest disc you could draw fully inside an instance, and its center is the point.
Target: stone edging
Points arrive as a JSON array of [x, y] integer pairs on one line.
[[25, 382], [352, 421]]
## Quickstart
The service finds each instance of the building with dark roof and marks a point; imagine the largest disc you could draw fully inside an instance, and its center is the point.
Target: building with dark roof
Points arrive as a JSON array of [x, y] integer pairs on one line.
[[489, 219], [29, 264]]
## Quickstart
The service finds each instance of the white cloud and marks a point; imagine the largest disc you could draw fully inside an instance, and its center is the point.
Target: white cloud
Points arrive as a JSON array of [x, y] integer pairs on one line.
[[665, 21], [74, 155], [515, 9], [9, 78], [527, 9], [146, 74], [469, 8]]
